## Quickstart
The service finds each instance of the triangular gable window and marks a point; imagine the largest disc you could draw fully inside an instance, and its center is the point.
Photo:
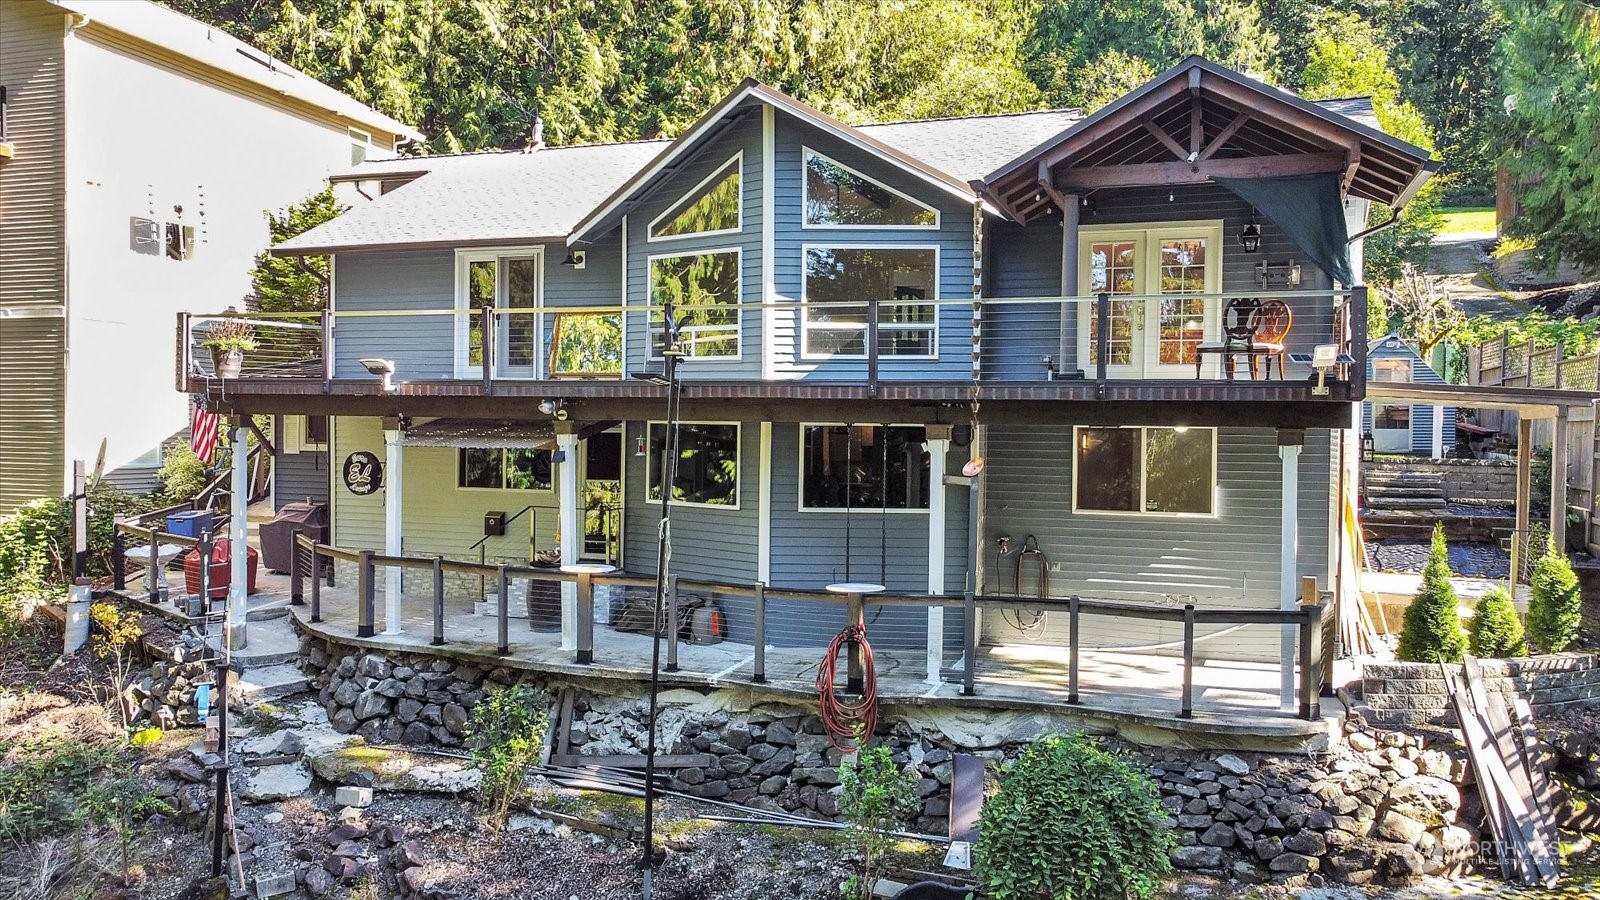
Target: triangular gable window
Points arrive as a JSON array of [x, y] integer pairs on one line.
[[837, 196], [712, 207]]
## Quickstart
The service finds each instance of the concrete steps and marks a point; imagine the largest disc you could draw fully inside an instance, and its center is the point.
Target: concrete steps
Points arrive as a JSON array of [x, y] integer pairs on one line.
[[264, 683], [1404, 491]]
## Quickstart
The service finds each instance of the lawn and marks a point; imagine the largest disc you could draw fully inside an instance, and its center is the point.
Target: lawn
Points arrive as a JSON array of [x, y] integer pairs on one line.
[[1467, 219]]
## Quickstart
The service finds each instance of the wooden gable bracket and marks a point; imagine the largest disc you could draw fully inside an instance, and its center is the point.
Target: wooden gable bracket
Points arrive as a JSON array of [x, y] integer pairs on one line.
[[1352, 163], [1222, 138], [1048, 185], [1165, 139]]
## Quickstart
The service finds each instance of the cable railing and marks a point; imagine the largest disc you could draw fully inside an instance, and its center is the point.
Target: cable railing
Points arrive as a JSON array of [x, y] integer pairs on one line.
[[753, 603], [1257, 335]]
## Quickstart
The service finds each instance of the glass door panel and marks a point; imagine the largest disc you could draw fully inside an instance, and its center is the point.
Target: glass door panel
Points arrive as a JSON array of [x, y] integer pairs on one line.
[[1180, 323], [519, 345], [1113, 269], [481, 288]]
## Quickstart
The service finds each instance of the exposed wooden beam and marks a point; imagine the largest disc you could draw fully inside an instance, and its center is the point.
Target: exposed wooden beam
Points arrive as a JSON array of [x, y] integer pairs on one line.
[[1222, 137], [1197, 129], [1165, 139], [1049, 188], [1285, 117], [1145, 174], [1134, 111], [1350, 167]]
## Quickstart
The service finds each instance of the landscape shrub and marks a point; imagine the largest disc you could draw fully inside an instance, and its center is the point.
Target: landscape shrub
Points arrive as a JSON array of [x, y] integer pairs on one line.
[[875, 797], [1496, 632], [1073, 822], [1556, 608], [182, 474], [55, 787], [34, 545], [506, 736], [1433, 623]]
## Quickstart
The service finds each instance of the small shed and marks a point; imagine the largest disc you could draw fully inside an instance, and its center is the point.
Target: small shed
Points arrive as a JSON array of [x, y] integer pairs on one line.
[[1400, 428]]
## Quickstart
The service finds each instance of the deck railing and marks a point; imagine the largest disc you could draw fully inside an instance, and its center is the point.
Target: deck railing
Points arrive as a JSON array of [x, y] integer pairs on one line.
[[1308, 618], [1100, 337]]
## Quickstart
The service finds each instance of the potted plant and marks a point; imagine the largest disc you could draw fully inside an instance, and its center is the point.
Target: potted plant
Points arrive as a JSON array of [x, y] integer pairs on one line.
[[228, 339]]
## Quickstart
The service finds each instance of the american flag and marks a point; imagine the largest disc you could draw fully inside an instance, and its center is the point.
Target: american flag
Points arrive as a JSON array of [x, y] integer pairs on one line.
[[204, 428]]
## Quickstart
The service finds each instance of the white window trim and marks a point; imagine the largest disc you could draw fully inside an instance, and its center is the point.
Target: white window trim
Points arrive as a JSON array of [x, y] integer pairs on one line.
[[805, 198], [1149, 235], [806, 325], [465, 256], [294, 435], [1143, 476], [651, 464], [502, 489], [654, 351], [361, 138], [800, 479], [735, 162]]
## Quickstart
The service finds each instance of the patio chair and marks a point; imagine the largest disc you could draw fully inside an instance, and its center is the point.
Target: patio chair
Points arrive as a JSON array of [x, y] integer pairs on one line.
[[1251, 328]]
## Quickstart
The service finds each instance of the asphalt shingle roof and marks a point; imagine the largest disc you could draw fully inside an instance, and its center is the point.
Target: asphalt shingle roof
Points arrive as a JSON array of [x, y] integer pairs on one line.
[[973, 146]]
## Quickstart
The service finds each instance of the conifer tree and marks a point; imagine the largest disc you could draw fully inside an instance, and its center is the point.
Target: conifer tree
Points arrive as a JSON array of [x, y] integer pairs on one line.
[[1556, 609], [1496, 632], [1433, 623]]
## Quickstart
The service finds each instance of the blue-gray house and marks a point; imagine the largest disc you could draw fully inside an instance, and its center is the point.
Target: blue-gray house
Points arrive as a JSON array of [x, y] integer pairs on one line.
[[1404, 428], [1134, 319]]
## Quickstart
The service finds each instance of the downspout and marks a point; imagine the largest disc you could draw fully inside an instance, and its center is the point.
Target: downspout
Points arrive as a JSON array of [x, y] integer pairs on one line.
[[1393, 218]]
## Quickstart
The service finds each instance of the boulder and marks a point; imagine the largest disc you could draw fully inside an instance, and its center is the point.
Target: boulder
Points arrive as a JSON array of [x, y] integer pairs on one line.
[[393, 770], [1426, 799], [1197, 857], [1231, 764], [1400, 829]]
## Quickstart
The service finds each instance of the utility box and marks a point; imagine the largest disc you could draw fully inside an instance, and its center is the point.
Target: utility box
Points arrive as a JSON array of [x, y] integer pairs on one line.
[[494, 523], [190, 523]]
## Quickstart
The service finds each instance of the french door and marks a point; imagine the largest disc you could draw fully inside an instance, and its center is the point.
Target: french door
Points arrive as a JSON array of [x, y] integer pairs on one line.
[[1172, 265], [505, 280]]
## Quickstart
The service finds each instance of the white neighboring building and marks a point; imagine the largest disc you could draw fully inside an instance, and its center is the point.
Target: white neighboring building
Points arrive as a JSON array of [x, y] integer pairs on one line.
[[140, 150]]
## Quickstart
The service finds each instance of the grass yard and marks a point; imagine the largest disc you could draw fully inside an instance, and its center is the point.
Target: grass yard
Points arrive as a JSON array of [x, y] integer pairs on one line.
[[1467, 219]]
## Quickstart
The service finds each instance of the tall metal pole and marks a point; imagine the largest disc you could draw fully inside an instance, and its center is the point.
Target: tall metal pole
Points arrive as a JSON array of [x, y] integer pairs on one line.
[[669, 474]]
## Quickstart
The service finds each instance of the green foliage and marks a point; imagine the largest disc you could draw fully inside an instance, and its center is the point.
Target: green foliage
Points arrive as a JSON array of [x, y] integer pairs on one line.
[[1577, 337], [182, 474], [55, 787], [1496, 631], [288, 284], [1550, 64], [874, 797], [1556, 608], [1433, 622], [1072, 822], [506, 735]]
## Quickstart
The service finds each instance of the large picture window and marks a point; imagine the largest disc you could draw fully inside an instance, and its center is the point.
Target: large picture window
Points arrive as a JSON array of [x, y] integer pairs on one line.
[[840, 280], [867, 467], [708, 285], [517, 469], [711, 207], [837, 196], [1161, 471], [708, 463]]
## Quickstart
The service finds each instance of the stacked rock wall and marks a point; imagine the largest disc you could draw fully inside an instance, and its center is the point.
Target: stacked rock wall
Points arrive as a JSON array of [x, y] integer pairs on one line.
[[1464, 479]]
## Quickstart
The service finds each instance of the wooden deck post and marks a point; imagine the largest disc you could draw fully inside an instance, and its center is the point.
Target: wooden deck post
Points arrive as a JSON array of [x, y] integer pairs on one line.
[[297, 585], [119, 559], [366, 605], [502, 612], [316, 581], [1186, 711], [671, 623], [585, 649], [759, 674], [1073, 603], [969, 644], [855, 610]]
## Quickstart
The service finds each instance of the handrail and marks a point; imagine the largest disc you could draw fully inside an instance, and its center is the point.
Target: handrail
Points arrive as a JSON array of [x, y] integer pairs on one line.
[[1307, 617], [480, 541]]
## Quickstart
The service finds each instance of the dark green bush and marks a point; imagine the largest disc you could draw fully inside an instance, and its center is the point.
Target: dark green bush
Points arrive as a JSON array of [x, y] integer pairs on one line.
[[182, 474], [506, 735], [1433, 623], [1556, 609], [1496, 632], [875, 797], [1073, 822]]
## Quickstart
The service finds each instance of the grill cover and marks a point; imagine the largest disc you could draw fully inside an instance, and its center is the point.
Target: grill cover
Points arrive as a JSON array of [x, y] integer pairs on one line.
[[277, 536]]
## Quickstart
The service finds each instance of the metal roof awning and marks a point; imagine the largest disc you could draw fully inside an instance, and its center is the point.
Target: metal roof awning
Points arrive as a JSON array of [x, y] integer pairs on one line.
[[1532, 403], [505, 434]]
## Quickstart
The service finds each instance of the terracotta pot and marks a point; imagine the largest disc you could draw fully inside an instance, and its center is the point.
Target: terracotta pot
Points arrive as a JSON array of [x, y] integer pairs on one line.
[[227, 363]]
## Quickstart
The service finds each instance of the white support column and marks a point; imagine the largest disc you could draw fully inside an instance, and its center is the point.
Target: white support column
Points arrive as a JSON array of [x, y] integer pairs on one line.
[[1438, 432], [938, 454], [239, 537], [764, 513], [1289, 444], [571, 524], [393, 507]]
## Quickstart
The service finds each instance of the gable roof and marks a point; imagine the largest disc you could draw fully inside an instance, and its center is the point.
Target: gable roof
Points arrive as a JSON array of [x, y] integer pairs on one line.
[[969, 147], [214, 48], [750, 90], [478, 199]]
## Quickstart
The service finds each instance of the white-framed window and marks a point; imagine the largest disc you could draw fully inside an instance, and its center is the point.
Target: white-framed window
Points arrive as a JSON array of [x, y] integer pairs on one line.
[[863, 468], [304, 434], [713, 206], [833, 195], [708, 464], [705, 286], [1144, 471], [360, 145], [508, 278], [499, 469], [837, 282]]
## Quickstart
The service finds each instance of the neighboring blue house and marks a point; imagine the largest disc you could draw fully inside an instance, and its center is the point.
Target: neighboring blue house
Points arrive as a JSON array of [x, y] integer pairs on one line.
[[1401, 428], [870, 309]]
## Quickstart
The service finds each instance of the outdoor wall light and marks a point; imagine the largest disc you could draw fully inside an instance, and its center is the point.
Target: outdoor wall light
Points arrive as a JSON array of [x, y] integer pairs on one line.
[[556, 409], [576, 259], [383, 368], [1250, 236]]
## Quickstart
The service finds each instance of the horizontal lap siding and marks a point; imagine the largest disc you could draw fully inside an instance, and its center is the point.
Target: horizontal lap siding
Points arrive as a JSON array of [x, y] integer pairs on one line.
[[708, 542], [422, 347], [1023, 262], [357, 520], [743, 135], [953, 237], [298, 476], [1229, 561], [1421, 415], [1313, 316], [32, 456]]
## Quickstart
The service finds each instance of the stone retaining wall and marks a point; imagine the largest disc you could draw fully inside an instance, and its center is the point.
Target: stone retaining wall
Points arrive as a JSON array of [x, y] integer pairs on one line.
[[1464, 479], [1414, 693]]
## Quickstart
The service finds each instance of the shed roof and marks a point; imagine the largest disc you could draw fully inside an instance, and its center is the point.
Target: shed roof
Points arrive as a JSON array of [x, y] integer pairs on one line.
[[214, 48]]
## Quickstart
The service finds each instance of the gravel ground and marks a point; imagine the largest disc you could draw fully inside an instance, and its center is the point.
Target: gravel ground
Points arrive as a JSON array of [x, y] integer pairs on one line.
[[1482, 560]]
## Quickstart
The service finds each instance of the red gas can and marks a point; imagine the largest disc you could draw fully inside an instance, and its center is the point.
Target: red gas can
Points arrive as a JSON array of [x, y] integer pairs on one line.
[[221, 569]]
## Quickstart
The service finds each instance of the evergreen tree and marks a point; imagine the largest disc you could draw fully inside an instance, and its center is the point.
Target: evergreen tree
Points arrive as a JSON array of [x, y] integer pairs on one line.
[[1496, 632], [1556, 608], [1433, 623], [1550, 63], [295, 283]]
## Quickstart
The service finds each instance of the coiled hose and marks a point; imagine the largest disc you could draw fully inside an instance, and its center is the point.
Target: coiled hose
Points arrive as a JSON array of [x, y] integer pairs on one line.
[[842, 720]]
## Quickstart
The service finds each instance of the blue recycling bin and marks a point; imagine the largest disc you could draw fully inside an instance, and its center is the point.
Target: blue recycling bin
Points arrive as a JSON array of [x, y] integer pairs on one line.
[[189, 524]]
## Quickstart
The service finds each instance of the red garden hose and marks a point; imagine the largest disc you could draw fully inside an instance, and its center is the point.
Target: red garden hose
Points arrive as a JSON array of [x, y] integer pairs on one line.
[[840, 718]]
